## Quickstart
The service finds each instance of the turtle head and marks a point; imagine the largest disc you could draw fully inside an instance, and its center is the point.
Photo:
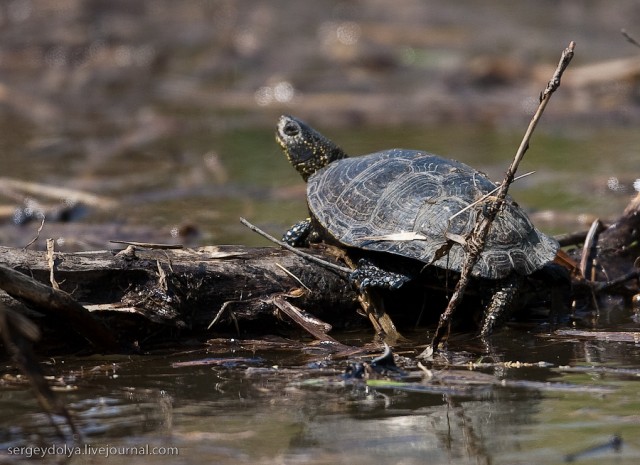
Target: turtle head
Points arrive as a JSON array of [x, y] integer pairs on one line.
[[307, 149]]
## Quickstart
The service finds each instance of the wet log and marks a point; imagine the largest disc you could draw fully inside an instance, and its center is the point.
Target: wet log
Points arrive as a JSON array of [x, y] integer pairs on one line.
[[624, 233], [59, 304], [139, 292], [615, 249]]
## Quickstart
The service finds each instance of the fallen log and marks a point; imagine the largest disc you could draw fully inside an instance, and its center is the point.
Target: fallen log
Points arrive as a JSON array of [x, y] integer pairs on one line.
[[143, 295], [611, 253], [58, 304], [621, 238], [139, 292]]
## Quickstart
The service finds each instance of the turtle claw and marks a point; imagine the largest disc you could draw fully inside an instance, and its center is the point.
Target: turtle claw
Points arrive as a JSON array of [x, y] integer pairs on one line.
[[368, 275]]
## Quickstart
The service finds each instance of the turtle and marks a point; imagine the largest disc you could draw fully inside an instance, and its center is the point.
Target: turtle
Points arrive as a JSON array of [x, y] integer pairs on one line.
[[409, 206]]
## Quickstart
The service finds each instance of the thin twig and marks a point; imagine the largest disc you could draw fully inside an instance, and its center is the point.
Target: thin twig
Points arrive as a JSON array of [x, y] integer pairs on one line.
[[588, 248], [486, 196], [311, 258], [476, 240], [318, 329], [149, 245], [219, 314], [51, 262], [37, 234], [629, 38], [293, 276], [601, 286]]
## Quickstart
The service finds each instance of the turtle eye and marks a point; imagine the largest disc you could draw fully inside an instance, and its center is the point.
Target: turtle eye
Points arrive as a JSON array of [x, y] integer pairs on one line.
[[291, 129]]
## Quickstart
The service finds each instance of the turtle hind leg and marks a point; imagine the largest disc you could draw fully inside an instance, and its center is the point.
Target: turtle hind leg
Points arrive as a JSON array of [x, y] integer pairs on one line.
[[368, 275], [501, 305], [298, 234]]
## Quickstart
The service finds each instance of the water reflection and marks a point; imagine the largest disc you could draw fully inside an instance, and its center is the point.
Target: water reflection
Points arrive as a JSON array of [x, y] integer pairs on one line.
[[254, 407]]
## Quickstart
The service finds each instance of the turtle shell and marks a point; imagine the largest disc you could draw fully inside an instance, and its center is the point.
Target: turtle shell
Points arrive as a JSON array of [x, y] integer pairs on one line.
[[361, 201]]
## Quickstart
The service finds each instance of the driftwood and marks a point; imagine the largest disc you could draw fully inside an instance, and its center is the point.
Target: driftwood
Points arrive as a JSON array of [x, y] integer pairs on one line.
[[138, 292], [119, 301], [620, 237], [609, 255]]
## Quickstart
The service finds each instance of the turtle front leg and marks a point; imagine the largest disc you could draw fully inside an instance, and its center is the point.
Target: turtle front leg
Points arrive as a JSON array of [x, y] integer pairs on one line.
[[501, 305], [298, 234], [368, 275]]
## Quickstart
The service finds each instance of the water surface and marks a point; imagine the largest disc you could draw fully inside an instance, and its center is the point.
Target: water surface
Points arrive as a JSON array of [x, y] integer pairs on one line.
[[271, 406], [167, 110]]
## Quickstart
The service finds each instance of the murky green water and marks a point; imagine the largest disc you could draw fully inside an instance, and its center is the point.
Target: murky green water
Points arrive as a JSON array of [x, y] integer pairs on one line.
[[281, 407]]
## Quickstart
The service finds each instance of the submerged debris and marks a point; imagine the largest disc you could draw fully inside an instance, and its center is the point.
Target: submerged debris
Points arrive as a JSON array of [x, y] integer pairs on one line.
[[613, 444], [383, 365]]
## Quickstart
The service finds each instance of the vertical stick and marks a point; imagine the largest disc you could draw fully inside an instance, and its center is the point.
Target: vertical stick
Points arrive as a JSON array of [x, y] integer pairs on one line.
[[475, 241]]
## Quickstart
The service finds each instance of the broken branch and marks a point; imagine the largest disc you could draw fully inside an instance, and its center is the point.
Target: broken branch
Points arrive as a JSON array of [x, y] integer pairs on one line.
[[476, 240]]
